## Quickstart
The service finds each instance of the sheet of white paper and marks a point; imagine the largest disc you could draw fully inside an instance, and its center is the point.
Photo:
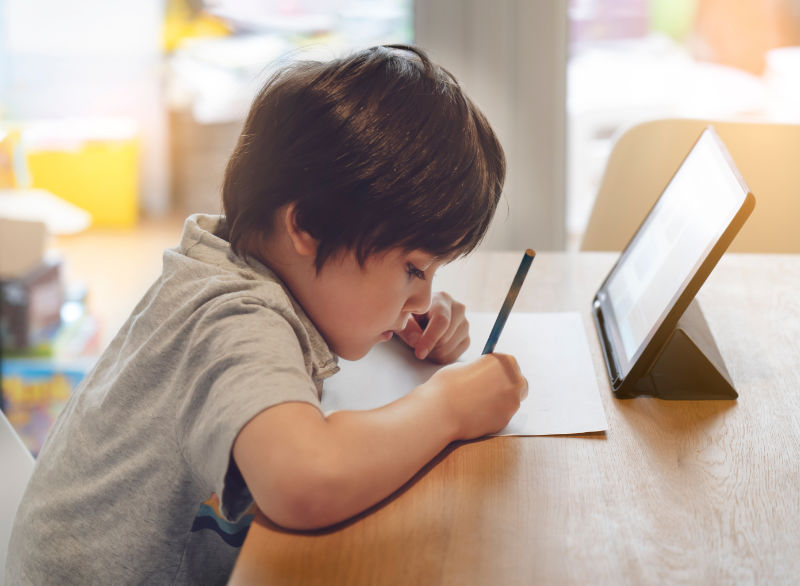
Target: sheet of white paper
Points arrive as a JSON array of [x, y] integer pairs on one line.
[[551, 349]]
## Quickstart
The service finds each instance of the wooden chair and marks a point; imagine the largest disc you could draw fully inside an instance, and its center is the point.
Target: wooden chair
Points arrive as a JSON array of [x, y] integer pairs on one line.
[[16, 464], [646, 156]]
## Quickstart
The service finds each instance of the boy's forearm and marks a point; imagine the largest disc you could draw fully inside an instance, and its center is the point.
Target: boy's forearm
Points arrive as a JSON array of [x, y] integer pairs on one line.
[[367, 455], [385, 447]]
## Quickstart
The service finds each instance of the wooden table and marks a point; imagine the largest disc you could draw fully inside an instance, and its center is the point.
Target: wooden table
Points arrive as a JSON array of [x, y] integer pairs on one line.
[[675, 492]]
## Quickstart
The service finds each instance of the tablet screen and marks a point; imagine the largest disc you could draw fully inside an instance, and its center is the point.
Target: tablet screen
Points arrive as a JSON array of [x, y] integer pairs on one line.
[[688, 219]]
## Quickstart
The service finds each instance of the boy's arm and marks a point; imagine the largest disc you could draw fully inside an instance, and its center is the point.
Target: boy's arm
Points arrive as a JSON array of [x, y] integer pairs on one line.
[[307, 471]]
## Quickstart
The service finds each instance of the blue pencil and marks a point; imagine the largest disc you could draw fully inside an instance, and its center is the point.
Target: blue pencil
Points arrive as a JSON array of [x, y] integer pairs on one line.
[[513, 291]]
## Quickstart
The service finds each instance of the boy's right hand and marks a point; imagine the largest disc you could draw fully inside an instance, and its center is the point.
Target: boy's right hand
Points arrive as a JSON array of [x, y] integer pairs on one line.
[[479, 397]]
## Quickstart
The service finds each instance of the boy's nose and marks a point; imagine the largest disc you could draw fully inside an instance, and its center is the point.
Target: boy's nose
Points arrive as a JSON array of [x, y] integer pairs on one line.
[[420, 300]]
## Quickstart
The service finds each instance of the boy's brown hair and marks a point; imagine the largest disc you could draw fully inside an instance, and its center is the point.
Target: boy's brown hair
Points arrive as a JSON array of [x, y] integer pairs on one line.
[[378, 150]]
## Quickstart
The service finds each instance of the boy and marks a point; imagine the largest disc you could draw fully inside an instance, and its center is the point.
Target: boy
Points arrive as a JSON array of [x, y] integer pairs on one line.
[[352, 182]]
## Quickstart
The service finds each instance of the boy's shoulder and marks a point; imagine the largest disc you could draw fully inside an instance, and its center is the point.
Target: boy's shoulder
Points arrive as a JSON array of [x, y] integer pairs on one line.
[[203, 268], [205, 277], [204, 256]]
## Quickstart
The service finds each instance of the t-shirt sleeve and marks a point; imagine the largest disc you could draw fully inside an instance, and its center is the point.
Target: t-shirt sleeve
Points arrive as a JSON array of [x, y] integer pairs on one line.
[[243, 358]]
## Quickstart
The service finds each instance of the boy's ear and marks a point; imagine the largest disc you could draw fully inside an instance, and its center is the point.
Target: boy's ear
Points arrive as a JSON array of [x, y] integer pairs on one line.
[[303, 242]]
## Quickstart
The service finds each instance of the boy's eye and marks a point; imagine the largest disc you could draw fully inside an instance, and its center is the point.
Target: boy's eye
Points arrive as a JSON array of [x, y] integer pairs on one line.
[[414, 272]]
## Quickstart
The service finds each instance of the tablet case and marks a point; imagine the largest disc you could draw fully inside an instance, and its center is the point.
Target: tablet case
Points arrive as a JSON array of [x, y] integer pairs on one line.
[[689, 364]]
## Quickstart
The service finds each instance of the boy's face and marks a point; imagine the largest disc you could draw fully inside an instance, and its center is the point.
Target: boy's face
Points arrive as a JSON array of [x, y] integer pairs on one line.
[[356, 307]]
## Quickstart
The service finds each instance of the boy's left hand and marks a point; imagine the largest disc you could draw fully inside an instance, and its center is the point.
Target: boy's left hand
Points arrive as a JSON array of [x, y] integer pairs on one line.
[[441, 334]]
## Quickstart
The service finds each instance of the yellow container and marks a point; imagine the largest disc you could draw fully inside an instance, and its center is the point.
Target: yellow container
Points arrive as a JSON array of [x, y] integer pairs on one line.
[[99, 175], [9, 141]]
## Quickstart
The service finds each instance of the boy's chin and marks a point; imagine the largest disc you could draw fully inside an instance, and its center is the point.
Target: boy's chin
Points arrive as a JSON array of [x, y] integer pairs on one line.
[[352, 354], [356, 353]]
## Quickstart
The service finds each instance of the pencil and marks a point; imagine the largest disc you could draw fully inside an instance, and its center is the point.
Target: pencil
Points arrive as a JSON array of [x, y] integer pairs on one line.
[[513, 291]]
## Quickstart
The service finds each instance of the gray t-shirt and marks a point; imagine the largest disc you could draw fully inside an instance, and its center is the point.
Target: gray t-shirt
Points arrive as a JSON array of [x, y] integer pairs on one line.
[[136, 482]]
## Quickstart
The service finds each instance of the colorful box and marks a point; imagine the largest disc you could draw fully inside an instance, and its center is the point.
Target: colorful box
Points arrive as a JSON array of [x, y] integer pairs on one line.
[[33, 394]]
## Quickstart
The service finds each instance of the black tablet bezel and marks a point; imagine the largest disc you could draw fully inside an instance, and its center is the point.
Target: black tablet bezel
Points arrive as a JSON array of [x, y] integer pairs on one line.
[[624, 384]]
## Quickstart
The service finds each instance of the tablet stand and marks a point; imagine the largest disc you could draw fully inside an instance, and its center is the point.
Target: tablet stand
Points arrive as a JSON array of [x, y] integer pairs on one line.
[[689, 365]]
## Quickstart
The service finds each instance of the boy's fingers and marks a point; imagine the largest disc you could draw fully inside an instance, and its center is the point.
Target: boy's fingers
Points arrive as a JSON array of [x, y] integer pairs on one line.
[[440, 330], [452, 344], [455, 340], [411, 333], [438, 323], [448, 355], [456, 332]]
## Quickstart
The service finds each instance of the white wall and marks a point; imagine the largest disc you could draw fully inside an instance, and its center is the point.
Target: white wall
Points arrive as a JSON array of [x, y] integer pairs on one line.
[[93, 58], [510, 56]]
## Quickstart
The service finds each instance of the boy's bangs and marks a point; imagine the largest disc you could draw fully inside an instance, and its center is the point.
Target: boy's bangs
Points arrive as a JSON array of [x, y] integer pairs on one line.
[[455, 230]]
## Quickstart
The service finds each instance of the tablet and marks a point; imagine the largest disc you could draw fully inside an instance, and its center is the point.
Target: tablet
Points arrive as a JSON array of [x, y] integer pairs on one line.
[[669, 257]]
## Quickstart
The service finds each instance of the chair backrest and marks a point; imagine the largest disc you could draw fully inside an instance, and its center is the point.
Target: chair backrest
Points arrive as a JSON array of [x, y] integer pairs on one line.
[[16, 466], [646, 156]]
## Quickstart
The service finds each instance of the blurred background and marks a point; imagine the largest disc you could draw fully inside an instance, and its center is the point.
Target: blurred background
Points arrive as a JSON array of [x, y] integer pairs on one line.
[[117, 118]]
